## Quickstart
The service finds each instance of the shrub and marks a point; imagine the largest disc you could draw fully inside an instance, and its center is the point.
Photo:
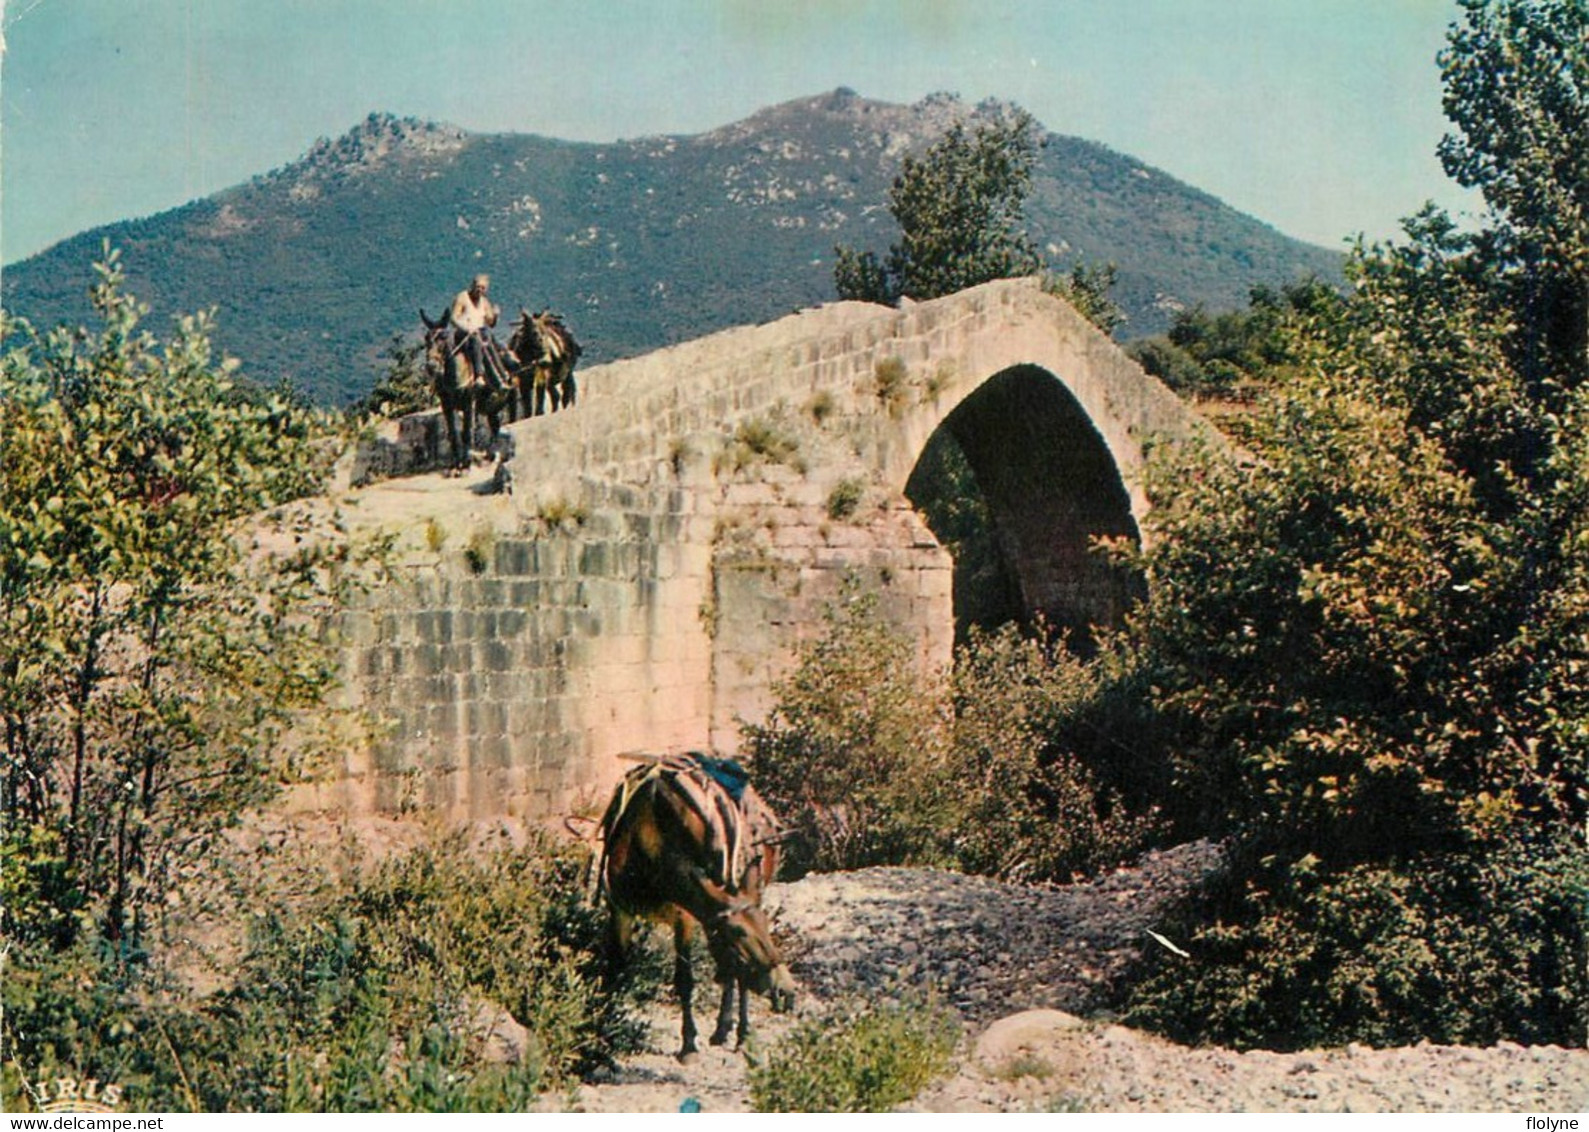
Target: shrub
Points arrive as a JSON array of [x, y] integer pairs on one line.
[[854, 754], [163, 666], [1367, 652], [860, 1059], [821, 406], [1029, 719], [845, 498], [1463, 951], [478, 551], [1087, 289], [373, 997], [759, 440], [874, 762], [892, 384], [556, 512]]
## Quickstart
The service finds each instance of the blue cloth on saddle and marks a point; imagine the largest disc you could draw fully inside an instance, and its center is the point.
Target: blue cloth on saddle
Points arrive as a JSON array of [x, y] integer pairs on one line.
[[726, 773]]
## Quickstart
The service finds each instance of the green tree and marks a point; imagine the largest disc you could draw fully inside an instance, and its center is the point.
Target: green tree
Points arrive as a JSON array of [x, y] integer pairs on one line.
[[1367, 647], [156, 649], [959, 209], [1517, 89], [1227, 355], [404, 388], [1089, 288]]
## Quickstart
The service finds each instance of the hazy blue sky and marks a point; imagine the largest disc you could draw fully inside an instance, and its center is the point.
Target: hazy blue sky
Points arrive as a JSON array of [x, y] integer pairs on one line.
[[1317, 116]]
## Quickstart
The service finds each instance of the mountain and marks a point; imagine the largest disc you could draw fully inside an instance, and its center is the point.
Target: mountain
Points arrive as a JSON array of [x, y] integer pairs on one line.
[[313, 267]]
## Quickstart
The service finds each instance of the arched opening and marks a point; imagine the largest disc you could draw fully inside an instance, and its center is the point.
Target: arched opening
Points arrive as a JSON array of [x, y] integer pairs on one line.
[[1019, 485]]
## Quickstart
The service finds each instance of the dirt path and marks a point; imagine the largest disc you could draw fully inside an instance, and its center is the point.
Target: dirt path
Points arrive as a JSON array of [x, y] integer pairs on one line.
[[1023, 968]]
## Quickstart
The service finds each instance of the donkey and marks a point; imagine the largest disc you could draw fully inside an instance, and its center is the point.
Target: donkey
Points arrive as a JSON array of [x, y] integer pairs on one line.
[[461, 391], [547, 352], [686, 841]]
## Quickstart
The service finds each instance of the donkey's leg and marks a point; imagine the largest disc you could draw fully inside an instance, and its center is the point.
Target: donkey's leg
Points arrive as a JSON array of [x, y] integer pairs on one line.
[[494, 419], [449, 413], [684, 987], [570, 391], [615, 953], [725, 1012], [467, 448], [744, 1017], [522, 394]]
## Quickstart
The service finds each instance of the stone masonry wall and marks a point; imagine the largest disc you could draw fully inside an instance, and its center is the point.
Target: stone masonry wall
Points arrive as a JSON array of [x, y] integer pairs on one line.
[[669, 542]]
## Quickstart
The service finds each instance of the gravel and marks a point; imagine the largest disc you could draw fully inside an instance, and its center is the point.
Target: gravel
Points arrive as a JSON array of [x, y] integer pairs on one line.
[[1028, 970]]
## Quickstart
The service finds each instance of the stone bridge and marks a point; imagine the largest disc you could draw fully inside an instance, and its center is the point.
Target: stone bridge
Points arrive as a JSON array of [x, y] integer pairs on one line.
[[663, 548]]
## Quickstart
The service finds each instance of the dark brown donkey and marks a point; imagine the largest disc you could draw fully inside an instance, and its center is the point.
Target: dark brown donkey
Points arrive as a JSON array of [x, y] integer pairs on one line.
[[686, 841], [462, 392]]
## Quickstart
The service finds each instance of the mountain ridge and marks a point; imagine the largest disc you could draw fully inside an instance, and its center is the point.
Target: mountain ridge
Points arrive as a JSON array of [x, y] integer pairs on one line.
[[314, 266]]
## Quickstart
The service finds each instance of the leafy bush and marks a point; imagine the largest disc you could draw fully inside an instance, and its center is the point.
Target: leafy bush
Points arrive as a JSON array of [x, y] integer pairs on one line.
[[759, 440], [1230, 354], [859, 1059], [892, 384], [1087, 288], [160, 669], [1464, 950], [377, 996], [845, 498], [1367, 648], [1029, 724], [855, 753], [1366, 654], [874, 762]]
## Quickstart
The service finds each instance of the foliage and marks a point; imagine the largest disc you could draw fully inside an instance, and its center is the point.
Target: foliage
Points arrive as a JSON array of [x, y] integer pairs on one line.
[[845, 497], [404, 388], [1516, 90], [1368, 645], [1464, 950], [1229, 354], [959, 211], [892, 382], [875, 762], [380, 995], [158, 663], [859, 1059], [855, 753], [1088, 288], [1031, 720], [756, 441]]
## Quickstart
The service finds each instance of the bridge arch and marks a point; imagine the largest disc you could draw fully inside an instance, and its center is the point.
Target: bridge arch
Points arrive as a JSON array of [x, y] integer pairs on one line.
[[1046, 492]]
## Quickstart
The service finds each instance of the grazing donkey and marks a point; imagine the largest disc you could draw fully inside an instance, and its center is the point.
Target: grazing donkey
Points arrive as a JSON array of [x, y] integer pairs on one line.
[[687, 841]]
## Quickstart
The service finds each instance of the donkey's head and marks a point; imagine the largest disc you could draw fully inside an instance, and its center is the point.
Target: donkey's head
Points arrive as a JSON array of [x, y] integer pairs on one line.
[[740, 936]]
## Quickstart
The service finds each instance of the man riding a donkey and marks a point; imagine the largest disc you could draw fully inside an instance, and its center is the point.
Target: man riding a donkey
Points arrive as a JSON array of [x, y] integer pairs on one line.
[[472, 315], [473, 375]]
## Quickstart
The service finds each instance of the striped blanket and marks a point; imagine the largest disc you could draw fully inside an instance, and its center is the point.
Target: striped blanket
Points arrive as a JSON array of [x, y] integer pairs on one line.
[[738, 823]]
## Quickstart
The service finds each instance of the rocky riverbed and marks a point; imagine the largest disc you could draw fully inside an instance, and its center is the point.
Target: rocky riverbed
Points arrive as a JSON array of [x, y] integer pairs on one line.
[[1027, 970]]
